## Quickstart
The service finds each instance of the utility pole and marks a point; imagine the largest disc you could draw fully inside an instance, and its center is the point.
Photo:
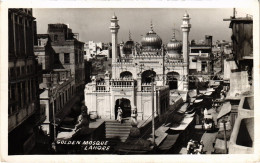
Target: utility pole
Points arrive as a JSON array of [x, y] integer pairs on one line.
[[152, 92], [225, 137]]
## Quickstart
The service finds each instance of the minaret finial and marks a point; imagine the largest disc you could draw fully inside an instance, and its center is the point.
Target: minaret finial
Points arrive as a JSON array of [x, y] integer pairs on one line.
[[186, 14], [130, 36]]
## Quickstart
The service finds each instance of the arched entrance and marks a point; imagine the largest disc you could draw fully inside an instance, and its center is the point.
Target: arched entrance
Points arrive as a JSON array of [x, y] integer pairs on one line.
[[172, 80], [147, 76], [126, 74], [125, 105]]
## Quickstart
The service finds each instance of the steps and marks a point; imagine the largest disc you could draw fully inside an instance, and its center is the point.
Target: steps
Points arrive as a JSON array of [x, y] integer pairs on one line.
[[116, 131]]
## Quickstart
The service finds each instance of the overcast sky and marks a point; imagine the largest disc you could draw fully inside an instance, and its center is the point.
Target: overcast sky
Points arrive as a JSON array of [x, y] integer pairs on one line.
[[93, 24]]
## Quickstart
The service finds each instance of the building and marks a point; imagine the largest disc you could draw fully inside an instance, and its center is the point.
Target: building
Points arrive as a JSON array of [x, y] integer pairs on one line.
[[58, 85], [70, 52], [134, 68], [238, 73], [93, 49], [24, 74], [239, 68], [201, 57]]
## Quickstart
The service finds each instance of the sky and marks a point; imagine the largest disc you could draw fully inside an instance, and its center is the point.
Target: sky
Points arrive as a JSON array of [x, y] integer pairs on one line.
[[93, 24]]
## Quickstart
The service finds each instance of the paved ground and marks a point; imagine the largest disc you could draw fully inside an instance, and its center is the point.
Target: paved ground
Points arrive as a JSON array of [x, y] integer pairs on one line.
[[208, 140]]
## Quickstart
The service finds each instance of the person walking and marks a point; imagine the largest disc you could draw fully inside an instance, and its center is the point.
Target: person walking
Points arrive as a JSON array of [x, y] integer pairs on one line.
[[119, 114]]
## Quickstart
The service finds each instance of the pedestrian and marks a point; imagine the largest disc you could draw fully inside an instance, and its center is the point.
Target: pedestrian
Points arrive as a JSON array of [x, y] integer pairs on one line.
[[199, 150], [119, 114], [190, 147], [205, 112]]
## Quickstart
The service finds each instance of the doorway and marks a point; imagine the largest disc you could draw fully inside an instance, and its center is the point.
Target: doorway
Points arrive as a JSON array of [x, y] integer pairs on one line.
[[125, 105]]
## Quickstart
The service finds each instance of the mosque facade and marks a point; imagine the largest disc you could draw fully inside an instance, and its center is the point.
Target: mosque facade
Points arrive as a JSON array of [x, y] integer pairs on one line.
[[136, 69]]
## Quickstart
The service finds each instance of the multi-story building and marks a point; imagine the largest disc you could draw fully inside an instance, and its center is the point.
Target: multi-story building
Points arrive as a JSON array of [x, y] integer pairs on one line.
[[70, 52], [58, 85], [201, 57], [24, 74], [238, 71]]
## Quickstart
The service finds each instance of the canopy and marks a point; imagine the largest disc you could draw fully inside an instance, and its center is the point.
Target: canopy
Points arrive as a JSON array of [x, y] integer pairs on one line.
[[208, 93], [225, 109], [198, 100], [169, 142], [184, 124], [183, 107]]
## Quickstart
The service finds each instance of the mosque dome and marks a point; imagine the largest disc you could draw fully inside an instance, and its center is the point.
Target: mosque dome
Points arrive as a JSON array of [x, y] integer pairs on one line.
[[151, 40], [174, 47], [127, 48]]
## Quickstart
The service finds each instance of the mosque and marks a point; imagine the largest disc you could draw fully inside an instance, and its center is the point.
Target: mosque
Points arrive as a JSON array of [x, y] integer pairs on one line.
[[135, 69]]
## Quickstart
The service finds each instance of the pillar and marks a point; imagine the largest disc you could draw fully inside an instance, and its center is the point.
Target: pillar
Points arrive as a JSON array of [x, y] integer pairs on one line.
[[114, 27], [185, 48]]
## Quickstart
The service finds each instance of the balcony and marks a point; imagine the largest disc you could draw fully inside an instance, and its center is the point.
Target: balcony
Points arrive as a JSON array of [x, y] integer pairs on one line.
[[122, 83]]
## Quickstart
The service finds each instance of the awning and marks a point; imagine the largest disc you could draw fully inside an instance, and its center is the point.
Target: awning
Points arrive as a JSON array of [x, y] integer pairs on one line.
[[225, 109], [210, 89], [189, 115], [198, 100], [208, 93], [184, 124], [169, 142], [183, 108]]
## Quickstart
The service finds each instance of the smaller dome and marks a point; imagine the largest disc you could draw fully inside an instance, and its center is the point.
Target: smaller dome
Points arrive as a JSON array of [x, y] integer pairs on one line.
[[128, 47], [174, 45]]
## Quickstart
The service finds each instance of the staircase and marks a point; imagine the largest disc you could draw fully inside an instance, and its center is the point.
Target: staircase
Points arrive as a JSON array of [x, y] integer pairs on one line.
[[116, 131]]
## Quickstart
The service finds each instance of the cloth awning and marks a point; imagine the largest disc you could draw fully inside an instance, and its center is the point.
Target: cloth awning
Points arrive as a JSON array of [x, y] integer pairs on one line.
[[198, 100], [169, 142], [183, 107], [225, 109], [210, 89], [208, 93], [190, 115], [184, 124]]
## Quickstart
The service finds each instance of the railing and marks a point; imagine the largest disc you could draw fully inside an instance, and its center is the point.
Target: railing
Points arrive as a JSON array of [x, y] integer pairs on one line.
[[125, 60], [122, 83], [101, 87], [146, 87]]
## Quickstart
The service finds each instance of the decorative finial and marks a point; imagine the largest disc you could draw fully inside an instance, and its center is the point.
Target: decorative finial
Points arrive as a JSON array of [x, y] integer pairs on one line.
[[186, 14], [114, 16], [151, 25], [173, 34], [130, 36]]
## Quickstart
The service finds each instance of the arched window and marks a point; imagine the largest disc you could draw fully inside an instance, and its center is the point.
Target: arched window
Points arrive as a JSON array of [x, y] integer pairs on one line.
[[172, 80], [126, 74], [148, 76]]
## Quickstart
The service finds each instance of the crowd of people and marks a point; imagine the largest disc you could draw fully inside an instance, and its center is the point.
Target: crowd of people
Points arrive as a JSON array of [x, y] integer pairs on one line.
[[195, 147]]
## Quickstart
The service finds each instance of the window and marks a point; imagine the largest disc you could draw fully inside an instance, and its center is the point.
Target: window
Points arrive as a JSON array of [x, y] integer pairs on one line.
[[66, 58], [203, 66], [55, 37]]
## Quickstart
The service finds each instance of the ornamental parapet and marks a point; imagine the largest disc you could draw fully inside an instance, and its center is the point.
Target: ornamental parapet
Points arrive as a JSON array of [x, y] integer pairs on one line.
[[122, 83]]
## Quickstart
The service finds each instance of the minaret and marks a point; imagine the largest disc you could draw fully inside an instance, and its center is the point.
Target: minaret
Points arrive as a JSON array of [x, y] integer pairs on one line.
[[114, 30], [185, 47]]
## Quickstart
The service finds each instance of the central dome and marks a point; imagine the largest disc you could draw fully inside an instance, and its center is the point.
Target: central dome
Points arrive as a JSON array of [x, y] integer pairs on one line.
[[151, 40]]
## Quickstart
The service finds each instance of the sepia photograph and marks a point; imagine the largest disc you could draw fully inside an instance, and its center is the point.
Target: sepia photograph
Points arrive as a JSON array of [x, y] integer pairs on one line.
[[130, 81]]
